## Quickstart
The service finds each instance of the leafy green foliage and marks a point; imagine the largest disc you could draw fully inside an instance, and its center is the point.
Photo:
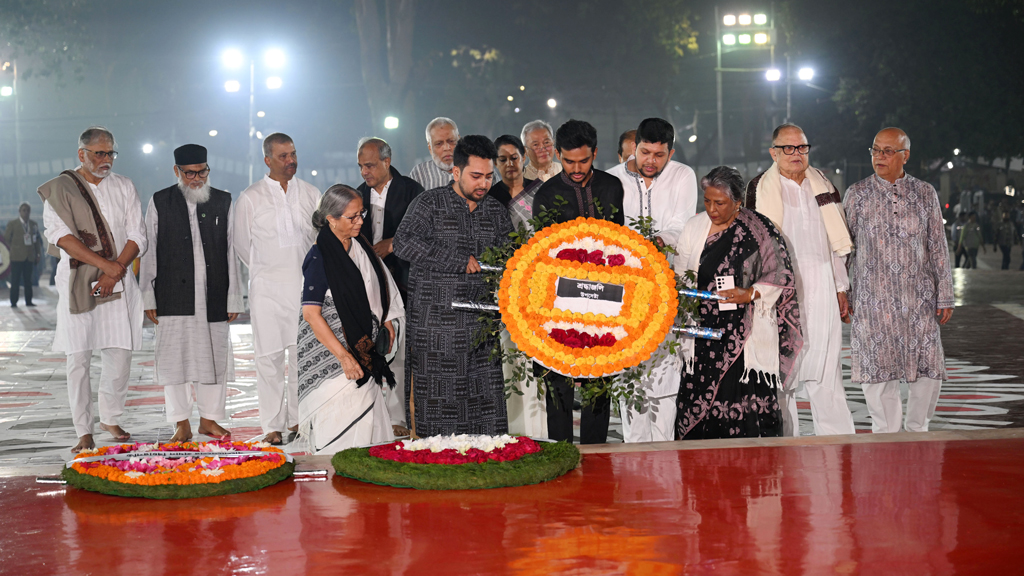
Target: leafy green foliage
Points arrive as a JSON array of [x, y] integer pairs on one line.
[[169, 492], [552, 461]]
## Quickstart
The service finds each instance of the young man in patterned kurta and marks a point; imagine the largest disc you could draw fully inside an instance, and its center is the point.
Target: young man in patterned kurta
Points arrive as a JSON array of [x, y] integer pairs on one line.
[[902, 288], [456, 388]]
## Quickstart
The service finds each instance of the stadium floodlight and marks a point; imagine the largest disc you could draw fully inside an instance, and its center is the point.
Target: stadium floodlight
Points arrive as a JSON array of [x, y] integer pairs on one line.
[[232, 86], [760, 38], [391, 122], [729, 39], [744, 38], [729, 20], [232, 58], [760, 19], [744, 19], [806, 74], [773, 75], [274, 58]]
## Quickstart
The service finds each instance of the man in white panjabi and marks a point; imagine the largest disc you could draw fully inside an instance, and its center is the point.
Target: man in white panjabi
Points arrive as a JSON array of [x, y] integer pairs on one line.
[[272, 233], [190, 227], [99, 304], [539, 140], [654, 186], [806, 207], [442, 136]]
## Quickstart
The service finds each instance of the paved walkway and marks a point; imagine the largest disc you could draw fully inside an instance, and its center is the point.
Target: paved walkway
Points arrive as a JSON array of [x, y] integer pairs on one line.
[[983, 344]]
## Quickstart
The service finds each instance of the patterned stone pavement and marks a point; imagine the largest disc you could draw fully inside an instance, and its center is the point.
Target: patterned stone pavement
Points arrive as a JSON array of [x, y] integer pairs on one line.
[[985, 387]]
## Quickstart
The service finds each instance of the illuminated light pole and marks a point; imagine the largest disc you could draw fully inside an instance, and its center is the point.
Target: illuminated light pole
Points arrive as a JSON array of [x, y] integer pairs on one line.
[[234, 59], [742, 31]]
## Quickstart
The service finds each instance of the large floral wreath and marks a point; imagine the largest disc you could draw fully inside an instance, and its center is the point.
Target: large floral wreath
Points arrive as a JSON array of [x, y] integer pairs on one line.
[[179, 469], [588, 299], [458, 462]]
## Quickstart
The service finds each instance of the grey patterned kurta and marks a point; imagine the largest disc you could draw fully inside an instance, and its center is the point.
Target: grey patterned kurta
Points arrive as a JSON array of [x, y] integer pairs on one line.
[[899, 275], [458, 390]]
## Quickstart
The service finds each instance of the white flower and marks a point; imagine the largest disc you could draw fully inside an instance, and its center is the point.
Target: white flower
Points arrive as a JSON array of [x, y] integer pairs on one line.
[[134, 474], [461, 443], [216, 472]]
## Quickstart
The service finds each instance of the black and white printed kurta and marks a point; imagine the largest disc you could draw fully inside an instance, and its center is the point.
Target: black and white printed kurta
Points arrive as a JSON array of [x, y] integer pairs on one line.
[[457, 389]]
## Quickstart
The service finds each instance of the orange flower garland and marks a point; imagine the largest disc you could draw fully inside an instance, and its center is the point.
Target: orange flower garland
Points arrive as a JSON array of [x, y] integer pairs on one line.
[[528, 291], [179, 472]]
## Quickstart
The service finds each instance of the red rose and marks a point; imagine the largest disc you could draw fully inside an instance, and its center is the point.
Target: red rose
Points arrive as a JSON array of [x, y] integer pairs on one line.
[[596, 257], [607, 340], [616, 260]]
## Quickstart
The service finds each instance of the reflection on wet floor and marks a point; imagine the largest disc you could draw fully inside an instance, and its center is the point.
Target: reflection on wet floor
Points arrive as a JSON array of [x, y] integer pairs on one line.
[[927, 507]]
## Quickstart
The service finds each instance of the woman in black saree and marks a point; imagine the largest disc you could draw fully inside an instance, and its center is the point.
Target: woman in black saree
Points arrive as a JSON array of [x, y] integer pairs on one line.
[[729, 386]]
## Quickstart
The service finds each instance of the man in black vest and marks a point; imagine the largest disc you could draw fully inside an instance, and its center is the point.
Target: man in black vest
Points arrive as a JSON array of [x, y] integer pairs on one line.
[[190, 290], [386, 197]]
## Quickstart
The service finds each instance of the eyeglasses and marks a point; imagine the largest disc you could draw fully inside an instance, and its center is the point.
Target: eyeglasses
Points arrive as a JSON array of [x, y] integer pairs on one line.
[[103, 154], [190, 174], [887, 153], [361, 216], [790, 150]]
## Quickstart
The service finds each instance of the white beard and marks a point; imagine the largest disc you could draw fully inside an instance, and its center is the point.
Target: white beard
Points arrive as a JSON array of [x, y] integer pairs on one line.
[[441, 165], [195, 196]]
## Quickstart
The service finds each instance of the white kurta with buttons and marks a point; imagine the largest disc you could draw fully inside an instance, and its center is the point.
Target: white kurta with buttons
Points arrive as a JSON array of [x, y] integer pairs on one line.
[[190, 348], [114, 324], [273, 230]]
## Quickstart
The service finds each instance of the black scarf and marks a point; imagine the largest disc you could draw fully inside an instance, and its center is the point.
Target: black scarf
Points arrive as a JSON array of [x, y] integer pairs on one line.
[[353, 306]]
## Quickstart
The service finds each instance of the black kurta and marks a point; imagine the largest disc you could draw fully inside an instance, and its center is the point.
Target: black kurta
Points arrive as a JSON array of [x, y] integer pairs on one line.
[[606, 190], [457, 388], [602, 190]]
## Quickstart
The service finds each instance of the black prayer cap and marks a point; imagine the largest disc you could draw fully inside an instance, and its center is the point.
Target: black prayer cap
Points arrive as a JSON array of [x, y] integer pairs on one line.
[[190, 154]]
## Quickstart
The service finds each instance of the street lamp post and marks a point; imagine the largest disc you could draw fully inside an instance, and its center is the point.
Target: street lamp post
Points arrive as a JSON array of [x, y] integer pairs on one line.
[[273, 58], [744, 31]]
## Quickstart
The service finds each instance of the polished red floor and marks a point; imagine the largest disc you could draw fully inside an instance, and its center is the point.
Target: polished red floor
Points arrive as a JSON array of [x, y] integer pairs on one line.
[[874, 508]]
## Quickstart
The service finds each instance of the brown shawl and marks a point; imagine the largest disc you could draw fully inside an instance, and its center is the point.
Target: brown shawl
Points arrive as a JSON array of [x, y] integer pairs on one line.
[[71, 199]]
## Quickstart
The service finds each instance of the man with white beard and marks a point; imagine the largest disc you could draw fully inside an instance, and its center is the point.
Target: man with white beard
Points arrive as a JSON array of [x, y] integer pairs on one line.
[[94, 218], [190, 226], [272, 233], [442, 136]]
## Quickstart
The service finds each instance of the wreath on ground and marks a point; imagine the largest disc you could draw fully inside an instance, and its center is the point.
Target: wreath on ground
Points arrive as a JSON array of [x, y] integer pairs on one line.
[[178, 470], [550, 461]]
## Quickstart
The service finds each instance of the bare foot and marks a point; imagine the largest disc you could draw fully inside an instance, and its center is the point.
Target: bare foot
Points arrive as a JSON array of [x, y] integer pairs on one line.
[[212, 429], [399, 431], [182, 432], [84, 443], [294, 428], [273, 438], [116, 431]]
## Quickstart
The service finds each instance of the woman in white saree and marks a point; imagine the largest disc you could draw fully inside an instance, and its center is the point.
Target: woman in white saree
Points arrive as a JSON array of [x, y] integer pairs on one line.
[[350, 304]]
